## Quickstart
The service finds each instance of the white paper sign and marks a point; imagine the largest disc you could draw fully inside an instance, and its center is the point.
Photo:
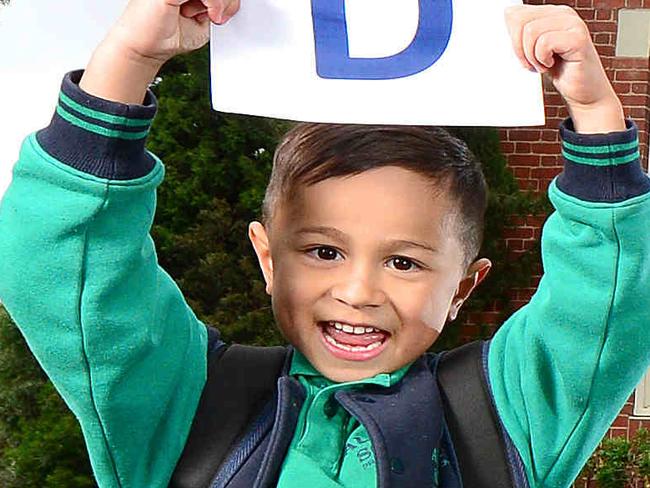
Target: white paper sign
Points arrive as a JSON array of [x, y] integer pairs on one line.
[[429, 62]]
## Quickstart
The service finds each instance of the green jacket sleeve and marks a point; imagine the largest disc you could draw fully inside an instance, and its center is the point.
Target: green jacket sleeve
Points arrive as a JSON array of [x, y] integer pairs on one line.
[[562, 367], [80, 278]]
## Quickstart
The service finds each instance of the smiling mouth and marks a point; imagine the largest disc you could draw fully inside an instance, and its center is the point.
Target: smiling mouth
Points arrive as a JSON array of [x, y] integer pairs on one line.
[[354, 343]]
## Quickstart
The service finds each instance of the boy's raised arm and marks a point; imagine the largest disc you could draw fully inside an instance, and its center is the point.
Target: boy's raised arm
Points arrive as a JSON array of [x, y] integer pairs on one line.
[[78, 269], [562, 367]]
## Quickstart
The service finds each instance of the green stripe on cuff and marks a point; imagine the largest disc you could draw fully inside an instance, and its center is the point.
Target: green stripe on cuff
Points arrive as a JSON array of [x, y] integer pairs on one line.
[[602, 162], [112, 119], [601, 149], [103, 131]]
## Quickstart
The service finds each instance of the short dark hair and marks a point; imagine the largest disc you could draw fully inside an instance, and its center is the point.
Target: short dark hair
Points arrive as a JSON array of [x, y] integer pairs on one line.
[[310, 153]]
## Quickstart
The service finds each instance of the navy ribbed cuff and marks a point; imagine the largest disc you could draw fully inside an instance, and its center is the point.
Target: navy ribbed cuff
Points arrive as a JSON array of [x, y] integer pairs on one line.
[[99, 137], [602, 167]]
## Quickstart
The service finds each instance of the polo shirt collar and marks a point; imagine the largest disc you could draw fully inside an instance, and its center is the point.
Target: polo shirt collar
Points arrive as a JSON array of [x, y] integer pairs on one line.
[[300, 366]]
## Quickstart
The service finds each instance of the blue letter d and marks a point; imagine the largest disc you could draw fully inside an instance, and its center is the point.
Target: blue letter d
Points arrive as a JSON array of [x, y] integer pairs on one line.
[[333, 55]]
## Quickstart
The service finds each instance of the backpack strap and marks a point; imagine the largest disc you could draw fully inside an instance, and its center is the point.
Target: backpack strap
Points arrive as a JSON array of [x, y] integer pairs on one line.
[[241, 380], [472, 419]]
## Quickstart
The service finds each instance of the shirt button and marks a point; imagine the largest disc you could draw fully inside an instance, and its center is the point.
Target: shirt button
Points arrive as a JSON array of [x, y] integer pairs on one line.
[[396, 466], [330, 407]]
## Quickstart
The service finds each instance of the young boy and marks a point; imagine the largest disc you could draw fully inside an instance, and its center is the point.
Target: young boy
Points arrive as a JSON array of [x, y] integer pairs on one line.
[[368, 248]]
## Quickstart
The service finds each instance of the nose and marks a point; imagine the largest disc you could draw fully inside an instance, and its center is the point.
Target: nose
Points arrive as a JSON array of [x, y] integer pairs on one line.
[[359, 288]]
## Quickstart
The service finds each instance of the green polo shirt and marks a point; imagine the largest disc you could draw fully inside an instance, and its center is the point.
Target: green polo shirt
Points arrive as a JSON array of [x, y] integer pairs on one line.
[[330, 448]]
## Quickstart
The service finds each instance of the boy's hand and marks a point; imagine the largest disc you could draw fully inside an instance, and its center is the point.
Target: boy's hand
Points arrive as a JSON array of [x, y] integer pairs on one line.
[[157, 30], [553, 39], [149, 33]]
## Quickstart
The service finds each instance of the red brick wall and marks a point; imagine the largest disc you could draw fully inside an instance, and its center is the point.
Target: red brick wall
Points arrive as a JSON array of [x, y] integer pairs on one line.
[[533, 153]]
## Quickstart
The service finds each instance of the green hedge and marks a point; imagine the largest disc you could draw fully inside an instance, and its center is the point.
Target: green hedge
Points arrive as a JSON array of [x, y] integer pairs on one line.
[[621, 463]]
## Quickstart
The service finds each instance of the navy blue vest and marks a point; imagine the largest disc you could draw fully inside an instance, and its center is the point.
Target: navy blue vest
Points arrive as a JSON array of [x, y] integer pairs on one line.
[[405, 423]]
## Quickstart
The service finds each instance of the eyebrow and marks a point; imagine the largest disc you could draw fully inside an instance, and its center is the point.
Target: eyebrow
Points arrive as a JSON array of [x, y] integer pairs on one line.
[[342, 236]]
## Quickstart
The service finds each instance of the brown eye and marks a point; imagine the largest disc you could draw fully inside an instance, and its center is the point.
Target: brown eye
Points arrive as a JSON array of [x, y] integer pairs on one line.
[[403, 264], [326, 253]]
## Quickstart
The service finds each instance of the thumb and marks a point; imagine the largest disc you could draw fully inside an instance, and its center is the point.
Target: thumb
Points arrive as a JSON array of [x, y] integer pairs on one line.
[[220, 11]]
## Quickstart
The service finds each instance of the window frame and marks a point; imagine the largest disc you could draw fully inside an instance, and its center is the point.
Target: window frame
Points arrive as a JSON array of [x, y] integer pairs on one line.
[[642, 397]]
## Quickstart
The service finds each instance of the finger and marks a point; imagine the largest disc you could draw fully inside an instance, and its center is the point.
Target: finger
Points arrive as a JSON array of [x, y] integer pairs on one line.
[[518, 17], [526, 13], [230, 10], [562, 43], [193, 8], [202, 18], [534, 29], [515, 24], [176, 3], [216, 9], [197, 32]]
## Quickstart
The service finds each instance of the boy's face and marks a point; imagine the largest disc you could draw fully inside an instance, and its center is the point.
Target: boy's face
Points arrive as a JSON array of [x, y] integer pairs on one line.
[[372, 250]]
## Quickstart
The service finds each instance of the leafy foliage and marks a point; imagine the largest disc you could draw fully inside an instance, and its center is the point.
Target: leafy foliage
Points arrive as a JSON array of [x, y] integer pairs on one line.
[[640, 447], [612, 463], [217, 167], [40, 440], [618, 461]]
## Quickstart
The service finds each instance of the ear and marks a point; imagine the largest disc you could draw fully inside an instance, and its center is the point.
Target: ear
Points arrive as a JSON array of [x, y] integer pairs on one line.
[[475, 275], [260, 240]]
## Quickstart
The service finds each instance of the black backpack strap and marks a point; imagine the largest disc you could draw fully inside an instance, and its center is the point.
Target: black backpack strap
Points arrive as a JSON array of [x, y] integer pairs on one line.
[[241, 380], [472, 419]]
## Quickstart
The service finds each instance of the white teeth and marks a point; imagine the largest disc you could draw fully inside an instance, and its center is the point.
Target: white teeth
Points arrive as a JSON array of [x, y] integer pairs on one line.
[[354, 330], [369, 347]]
